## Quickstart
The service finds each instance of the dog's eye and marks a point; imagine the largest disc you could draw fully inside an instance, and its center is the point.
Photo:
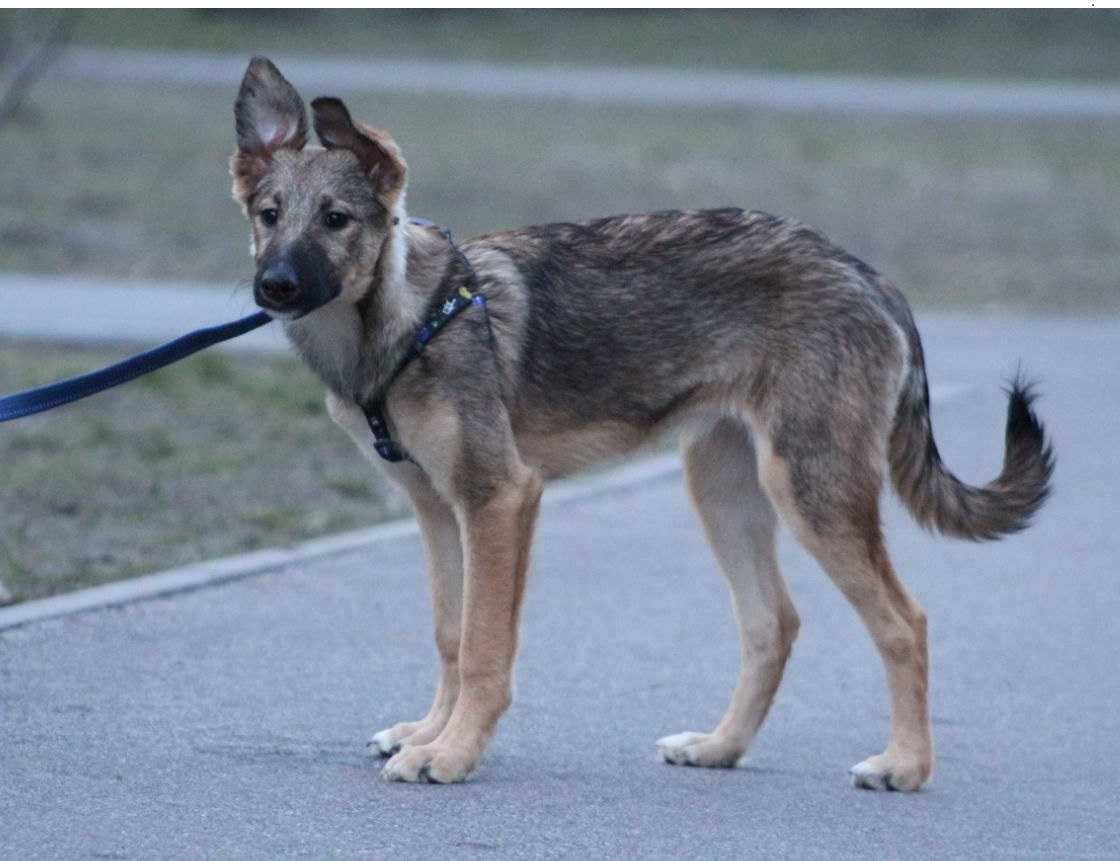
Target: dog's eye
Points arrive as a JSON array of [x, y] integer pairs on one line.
[[269, 217], [336, 220]]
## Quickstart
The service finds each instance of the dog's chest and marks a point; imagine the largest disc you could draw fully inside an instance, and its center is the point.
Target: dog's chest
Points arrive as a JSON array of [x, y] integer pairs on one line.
[[329, 341]]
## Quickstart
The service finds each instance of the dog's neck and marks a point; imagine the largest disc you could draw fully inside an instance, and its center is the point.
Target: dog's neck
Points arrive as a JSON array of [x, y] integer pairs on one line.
[[355, 347]]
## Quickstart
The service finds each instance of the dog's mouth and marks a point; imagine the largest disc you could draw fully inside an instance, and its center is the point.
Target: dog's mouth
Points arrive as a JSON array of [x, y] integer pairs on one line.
[[289, 313], [277, 310]]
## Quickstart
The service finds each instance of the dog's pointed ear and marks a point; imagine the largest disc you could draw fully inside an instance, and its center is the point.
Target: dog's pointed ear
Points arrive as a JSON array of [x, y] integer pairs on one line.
[[377, 152], [269, 112], [269, 116]]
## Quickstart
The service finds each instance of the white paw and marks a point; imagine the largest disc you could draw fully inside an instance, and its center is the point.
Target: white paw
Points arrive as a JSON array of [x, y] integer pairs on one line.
[[674, 748], [882, 773], [699, 748], [865, 776], [383, 744]]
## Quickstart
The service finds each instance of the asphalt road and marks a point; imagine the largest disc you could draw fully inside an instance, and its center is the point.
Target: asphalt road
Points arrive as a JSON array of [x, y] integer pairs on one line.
[[230, 721]]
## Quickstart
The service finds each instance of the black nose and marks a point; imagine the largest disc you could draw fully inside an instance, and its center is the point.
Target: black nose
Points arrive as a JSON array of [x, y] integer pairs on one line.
[[278, 284]]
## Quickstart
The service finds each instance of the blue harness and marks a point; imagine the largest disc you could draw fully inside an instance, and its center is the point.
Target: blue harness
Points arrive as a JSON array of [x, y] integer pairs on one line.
[[461, 299], [374, 409]]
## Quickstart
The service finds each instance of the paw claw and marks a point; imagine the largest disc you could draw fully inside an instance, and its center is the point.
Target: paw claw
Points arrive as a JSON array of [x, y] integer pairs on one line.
[[382, 744], [425, 775], [431, 763], [885, 774], [868, 779], [700, 749]]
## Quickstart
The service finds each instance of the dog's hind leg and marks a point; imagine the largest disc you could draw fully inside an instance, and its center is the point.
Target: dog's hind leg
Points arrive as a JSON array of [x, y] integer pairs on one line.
[[831, 503], [740, 523], [443, 550]]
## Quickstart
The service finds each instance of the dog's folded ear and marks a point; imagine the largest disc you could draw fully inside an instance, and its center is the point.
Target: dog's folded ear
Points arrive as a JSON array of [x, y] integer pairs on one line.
[[377, 152], [269, 116]]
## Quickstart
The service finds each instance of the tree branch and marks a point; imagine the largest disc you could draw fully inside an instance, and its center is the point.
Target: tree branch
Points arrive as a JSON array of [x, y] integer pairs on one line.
[[34, 65]]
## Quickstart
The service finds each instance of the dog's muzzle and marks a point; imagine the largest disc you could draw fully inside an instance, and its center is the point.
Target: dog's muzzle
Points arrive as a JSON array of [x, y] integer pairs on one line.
[[277, 286], [293, 283]]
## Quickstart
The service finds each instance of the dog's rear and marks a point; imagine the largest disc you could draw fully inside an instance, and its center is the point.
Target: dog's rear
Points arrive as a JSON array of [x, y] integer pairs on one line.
[[839, 412]]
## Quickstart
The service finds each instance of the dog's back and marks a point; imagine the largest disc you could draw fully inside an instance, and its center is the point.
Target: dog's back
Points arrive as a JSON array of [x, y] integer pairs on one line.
[[631, 320]]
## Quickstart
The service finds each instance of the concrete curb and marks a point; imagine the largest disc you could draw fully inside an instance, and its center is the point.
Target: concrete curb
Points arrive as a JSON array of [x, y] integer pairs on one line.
[[216, 571]]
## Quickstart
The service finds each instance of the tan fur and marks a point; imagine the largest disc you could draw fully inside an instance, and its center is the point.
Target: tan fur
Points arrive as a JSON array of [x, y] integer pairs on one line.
[[443, 549], [497, 536], [792, 371], [508, 304], [856, 560], [741, 526]]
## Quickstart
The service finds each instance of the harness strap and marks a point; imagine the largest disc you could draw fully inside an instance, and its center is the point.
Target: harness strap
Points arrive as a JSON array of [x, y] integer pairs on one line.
[[460, 300], [374, 409]]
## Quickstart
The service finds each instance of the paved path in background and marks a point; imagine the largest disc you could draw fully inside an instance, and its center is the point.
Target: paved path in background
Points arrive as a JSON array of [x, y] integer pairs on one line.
[[229, 722], [642, 86], [79, 309]]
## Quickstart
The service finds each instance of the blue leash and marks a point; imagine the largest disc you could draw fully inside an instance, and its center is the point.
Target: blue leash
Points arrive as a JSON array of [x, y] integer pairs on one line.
[[66, 391]]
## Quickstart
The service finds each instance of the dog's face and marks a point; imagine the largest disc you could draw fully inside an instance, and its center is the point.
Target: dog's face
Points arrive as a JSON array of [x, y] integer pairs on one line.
[[320, 218]]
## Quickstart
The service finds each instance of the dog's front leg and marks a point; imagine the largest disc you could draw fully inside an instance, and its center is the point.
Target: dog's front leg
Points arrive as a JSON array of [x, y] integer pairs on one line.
[[497, 535], [443, 549]]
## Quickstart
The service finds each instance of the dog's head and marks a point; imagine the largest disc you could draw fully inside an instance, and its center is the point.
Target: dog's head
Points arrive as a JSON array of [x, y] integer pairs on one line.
[[321, 219]]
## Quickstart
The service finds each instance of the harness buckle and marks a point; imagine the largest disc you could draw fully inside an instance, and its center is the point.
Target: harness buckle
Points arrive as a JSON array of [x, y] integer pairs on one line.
[[388, 450]]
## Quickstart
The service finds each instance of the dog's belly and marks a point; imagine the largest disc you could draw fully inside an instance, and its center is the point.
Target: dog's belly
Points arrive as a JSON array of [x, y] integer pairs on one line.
[[566, 452], [557, 454]]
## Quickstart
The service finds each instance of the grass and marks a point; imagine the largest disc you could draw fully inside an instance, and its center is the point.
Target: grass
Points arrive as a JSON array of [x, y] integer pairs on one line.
[[959, 214], [1077, 44], [214, 456]]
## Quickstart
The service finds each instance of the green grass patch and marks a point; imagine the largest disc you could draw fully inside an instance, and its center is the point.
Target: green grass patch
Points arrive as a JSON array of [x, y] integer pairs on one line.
[[218, 455]]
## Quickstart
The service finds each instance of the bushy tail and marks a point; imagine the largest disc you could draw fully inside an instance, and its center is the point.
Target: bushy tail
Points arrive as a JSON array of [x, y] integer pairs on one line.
[[938, 499]]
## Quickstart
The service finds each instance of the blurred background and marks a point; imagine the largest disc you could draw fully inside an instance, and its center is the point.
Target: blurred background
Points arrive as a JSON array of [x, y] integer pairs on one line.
[[971, 156]]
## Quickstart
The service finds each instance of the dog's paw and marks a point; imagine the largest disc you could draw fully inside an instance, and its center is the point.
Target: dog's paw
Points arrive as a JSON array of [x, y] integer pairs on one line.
[[384, 743], [389, 741], [885, 772], [699, 748], [437, 762]]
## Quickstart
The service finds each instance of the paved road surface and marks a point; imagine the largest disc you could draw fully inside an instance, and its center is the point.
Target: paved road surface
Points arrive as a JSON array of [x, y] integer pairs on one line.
[[108, 311], [229, 722], [643, 86]]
